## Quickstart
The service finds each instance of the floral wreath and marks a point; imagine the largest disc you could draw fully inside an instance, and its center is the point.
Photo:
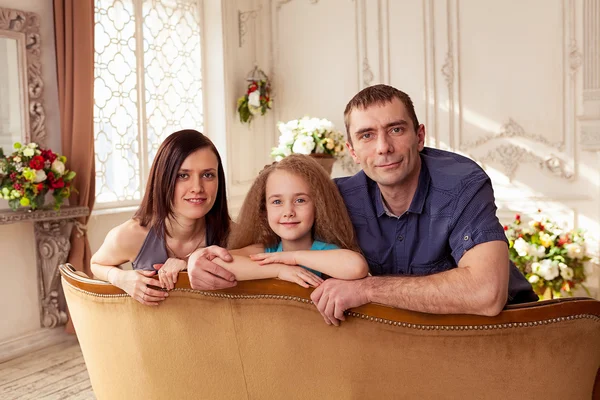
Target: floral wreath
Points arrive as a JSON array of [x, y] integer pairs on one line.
[[257, 99]]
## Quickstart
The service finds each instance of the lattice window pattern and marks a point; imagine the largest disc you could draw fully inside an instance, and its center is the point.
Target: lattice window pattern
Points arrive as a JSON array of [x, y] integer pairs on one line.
[[148, 84]]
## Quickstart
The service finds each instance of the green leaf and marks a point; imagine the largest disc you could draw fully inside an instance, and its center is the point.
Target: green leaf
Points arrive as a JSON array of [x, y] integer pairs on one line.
[[14, 204], [69, 177]]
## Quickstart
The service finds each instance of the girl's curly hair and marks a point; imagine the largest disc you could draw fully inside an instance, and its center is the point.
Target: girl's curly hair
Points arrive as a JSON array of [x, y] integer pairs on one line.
[[332, 222]]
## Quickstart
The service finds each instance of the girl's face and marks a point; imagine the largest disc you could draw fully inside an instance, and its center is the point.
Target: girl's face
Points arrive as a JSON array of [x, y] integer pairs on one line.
[[197, 184], [290, 208]]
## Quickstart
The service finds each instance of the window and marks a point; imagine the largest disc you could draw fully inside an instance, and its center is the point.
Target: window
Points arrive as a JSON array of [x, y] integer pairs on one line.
[[148, 84]]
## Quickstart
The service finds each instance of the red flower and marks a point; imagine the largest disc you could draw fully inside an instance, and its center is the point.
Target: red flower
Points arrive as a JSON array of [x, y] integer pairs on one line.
[[252, 87], [48, 155], [17, 186], [541, 227], [58, 184], [13, 176], [39, 187], [505, 227], [518, 217], [36, 162], [54, 183]]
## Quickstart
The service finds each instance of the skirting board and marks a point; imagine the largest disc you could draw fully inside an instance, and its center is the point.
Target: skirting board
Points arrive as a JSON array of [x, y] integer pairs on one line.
[[32, 341]]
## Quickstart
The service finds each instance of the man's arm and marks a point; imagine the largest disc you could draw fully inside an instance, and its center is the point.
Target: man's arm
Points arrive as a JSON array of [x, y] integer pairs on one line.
[[478, 286]]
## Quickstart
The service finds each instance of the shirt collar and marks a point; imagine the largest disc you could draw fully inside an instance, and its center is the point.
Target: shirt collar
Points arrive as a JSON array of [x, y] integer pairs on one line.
[[418, 202]]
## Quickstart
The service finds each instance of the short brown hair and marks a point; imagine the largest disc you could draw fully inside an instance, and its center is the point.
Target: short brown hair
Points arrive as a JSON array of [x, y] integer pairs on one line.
[[332, 223], [378, 95], [157, 204]]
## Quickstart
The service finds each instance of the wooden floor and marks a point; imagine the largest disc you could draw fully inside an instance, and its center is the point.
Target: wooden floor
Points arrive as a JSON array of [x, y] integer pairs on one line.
[[55, 372]]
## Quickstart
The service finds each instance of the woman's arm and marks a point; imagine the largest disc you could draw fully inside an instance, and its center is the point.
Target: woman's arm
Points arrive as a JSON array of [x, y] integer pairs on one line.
[[339, 263], [121, 245]]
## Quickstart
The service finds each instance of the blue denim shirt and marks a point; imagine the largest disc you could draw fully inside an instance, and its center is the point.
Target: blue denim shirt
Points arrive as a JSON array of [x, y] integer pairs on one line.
[[452, 211]]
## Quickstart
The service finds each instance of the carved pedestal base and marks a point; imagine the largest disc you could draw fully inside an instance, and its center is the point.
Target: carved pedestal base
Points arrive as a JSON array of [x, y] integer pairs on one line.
[[52, 231], [52, 240]]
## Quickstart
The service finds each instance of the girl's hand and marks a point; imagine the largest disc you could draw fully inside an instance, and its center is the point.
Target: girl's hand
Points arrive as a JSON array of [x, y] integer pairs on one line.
[[299, 275], [281, 257], [136, 284], [168, 272]]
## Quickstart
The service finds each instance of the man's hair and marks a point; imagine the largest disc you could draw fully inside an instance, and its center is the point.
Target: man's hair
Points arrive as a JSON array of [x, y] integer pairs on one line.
[[378, 95], [157, 204], [332, 223]]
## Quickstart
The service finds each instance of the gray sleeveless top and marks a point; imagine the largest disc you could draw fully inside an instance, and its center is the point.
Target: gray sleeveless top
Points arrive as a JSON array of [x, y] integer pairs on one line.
[[154, 250]]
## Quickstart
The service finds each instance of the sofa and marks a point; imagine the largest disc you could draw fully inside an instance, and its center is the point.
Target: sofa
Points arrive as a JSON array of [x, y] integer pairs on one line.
[[266, 340]]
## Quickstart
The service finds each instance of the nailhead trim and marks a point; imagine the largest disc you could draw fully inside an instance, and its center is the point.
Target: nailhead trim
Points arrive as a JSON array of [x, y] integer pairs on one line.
[[594, 318]]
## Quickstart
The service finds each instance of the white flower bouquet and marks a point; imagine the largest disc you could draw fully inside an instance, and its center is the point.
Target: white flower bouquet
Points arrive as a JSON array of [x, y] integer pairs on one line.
[[308, 136], [551, 259]]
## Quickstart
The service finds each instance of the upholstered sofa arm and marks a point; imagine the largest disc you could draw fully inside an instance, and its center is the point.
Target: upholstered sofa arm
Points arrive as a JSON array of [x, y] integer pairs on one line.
[[265, 340]]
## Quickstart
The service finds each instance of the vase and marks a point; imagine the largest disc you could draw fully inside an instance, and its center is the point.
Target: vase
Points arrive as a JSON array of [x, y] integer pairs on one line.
[[325, 160]]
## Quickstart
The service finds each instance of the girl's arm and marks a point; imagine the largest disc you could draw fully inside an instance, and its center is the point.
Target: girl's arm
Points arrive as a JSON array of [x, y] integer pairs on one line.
[[246, 269], [339, 263]]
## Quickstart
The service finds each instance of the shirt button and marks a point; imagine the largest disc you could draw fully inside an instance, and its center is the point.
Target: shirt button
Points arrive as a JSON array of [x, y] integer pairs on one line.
[[466, 237], [400, 238]]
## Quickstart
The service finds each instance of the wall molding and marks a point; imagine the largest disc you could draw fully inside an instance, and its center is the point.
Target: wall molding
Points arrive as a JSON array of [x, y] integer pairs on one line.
[[510, 129], [590, 138], [572, 62], [591, 42], [511, 157]]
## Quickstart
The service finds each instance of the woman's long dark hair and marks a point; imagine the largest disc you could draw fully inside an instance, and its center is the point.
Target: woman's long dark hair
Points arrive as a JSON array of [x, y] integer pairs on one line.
[[157, 204]]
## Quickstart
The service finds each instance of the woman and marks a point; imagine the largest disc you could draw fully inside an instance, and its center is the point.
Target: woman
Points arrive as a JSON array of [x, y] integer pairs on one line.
[[184, 208]]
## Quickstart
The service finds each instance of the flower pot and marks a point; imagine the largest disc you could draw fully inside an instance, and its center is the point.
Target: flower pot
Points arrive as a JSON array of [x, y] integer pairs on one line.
[[325, 160]]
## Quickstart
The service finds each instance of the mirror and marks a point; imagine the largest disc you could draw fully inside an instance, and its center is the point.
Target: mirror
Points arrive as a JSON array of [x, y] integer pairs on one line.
[[13, 101], [22, 117]]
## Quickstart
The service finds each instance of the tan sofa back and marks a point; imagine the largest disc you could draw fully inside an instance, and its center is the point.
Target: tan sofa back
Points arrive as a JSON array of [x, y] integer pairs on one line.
[[265, 340]]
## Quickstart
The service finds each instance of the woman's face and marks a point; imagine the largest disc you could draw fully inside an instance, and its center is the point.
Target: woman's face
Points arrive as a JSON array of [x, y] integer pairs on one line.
[[196, 185]]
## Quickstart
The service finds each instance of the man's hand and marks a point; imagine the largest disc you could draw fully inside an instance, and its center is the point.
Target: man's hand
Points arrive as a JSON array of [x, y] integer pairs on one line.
[[206, 275], [335, 296]]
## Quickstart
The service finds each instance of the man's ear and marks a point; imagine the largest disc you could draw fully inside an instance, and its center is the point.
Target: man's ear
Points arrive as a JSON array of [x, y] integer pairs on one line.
[[421, 137], [352, 152]]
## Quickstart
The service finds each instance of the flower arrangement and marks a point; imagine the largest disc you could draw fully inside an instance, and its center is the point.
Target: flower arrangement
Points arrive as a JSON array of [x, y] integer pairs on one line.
[[257, 99], [308, 136], [551, 259], [29, 173]]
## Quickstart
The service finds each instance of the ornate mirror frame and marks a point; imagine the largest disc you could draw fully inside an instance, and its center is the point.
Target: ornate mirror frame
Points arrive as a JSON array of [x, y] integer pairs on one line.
[[28, 25]]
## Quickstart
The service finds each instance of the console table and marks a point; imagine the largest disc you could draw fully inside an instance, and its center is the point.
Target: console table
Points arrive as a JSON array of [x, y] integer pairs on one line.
[[52, 230]]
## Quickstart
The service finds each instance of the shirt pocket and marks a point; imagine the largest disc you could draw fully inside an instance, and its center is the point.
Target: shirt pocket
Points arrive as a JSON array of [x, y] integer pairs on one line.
[[441, 265]]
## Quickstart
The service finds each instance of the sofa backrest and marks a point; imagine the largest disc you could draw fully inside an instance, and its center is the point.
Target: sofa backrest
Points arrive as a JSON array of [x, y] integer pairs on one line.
[[266, 340]]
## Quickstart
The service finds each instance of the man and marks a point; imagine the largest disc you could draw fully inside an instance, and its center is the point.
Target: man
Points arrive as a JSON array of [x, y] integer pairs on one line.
[[425, 220]]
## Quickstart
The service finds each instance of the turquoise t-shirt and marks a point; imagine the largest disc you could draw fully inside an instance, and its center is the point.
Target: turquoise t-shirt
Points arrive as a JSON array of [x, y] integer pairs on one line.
[[317, 245]]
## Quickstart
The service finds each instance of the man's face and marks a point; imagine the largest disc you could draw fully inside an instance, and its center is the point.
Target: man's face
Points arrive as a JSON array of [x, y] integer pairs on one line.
[[384, 142]]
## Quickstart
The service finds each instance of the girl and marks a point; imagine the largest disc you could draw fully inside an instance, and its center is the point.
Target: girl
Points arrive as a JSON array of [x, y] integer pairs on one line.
[[184, 208], [293, 207]]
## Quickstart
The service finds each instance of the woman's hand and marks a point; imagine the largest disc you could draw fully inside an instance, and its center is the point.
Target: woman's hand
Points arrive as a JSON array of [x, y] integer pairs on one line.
[[281, 257], [135, 283], [299, 275], [169, 271]]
